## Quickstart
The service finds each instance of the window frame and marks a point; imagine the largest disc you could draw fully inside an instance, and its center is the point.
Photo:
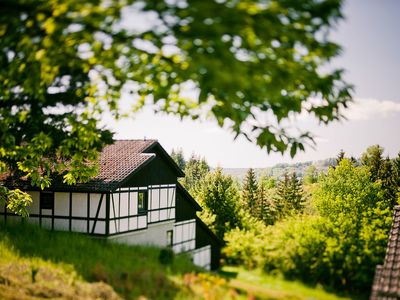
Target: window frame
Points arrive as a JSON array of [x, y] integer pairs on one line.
[[142, 209], [170, 238], [46, 200]]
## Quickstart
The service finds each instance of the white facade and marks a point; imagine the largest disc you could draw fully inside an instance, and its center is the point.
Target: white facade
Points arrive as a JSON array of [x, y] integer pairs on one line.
[[202, 257], [87, 212], [184, 237], [154, 235]]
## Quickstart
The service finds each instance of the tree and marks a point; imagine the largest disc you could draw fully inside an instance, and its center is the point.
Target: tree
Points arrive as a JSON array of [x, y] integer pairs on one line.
[[179, 158], [196, 170], [290, 194], [265, 206], [373, 159], [382, 171], [219, 197], [359, 218], [340, 156], [249, 192], [64, 62], [310, 175]]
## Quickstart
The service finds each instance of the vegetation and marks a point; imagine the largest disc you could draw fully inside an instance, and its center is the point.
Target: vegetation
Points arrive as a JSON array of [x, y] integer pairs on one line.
[[71, 266], [63, 63], [341, 236]]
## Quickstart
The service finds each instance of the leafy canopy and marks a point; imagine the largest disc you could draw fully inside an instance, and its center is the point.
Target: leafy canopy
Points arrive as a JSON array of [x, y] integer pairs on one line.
[[64, 62]]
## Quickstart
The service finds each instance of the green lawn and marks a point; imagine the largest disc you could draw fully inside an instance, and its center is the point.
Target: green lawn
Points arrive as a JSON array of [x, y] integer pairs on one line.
[[273, 287], [39, 264]]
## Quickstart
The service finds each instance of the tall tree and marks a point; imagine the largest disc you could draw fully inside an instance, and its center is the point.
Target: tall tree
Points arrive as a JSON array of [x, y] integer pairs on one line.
[[290, 197], [265, 207], [382, 171], [354, 208], [249, 192], [219, 197], [373, 159], [340, 156], [196, 170], [179, 158], [64, 62], [310, 175]]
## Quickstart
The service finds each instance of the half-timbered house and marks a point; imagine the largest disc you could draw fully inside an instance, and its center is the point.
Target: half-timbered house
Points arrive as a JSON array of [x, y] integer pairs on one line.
[[134, 199]]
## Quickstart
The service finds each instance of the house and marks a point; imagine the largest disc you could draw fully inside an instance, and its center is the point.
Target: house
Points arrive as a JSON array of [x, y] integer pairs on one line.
[[134, 199], [386, 285]]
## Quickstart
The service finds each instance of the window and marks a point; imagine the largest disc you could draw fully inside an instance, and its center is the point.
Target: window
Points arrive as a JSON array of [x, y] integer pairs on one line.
[[142, 202], [170, 235], [46, 200]]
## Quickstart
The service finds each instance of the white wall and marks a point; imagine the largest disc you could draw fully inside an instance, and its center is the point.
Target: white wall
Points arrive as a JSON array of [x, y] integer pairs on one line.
[[155, 234], [61, 208], [202, 257], [184, 236]]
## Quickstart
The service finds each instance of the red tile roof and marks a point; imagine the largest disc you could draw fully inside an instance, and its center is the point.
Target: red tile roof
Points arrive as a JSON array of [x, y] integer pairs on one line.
[[123, 157], [116, 162]]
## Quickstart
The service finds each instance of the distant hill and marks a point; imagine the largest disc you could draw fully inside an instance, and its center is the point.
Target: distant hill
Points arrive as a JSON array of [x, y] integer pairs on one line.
[[279, 169]]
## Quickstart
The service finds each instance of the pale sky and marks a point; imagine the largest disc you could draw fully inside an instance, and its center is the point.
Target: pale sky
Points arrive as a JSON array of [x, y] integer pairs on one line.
[[370, 36]]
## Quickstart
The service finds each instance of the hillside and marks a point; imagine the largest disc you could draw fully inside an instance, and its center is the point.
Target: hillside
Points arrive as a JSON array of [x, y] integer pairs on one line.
[[38, 264], [279, 169]]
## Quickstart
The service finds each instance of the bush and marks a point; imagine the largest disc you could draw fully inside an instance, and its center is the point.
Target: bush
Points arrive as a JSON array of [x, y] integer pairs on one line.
[[166, 256]]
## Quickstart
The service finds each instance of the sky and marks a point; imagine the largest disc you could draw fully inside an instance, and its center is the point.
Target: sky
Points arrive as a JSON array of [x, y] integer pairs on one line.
[[370, 37]]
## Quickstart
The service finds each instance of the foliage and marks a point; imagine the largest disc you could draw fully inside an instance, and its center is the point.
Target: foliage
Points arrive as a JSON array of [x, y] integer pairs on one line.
[[64, 62], [360, 219], [266, 211], [178, 157], [166, 256], [219, 198], [337, 243], [289, 195], [246, 247], [196, 170], [311, 175], [132, 271], [382, 171], [249, 192]]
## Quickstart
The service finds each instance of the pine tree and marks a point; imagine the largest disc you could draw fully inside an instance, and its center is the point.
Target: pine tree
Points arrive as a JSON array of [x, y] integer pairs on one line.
[[296, 194], [289, 195], [340, 157], [384, 171], [196, 170], [249, 192], [264, 208], [310, 175], [373, 159], [219, 197], [178, 157]]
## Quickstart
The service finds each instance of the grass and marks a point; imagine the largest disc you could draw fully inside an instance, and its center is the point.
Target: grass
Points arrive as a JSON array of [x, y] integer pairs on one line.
[[274, 287], [40, 264], [131, 270]]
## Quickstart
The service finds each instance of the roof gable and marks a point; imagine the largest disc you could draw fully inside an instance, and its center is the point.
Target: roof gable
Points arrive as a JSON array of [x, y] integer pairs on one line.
[[117, 162]]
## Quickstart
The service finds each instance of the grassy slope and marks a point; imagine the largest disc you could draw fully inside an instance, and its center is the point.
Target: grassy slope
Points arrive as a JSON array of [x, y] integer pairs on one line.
[[38, 264]]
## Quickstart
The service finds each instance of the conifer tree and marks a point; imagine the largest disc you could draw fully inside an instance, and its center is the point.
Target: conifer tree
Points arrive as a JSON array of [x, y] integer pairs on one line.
[[289, 195], [311, 175], [373, 159], [296, 199], [196, 170], [249, 192], [340, 157], [264, 208], [384, 171], [219, 197], [178, 157]]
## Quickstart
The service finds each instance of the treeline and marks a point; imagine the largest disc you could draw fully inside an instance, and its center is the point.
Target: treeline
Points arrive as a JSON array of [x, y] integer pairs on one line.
[[325, 227]]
